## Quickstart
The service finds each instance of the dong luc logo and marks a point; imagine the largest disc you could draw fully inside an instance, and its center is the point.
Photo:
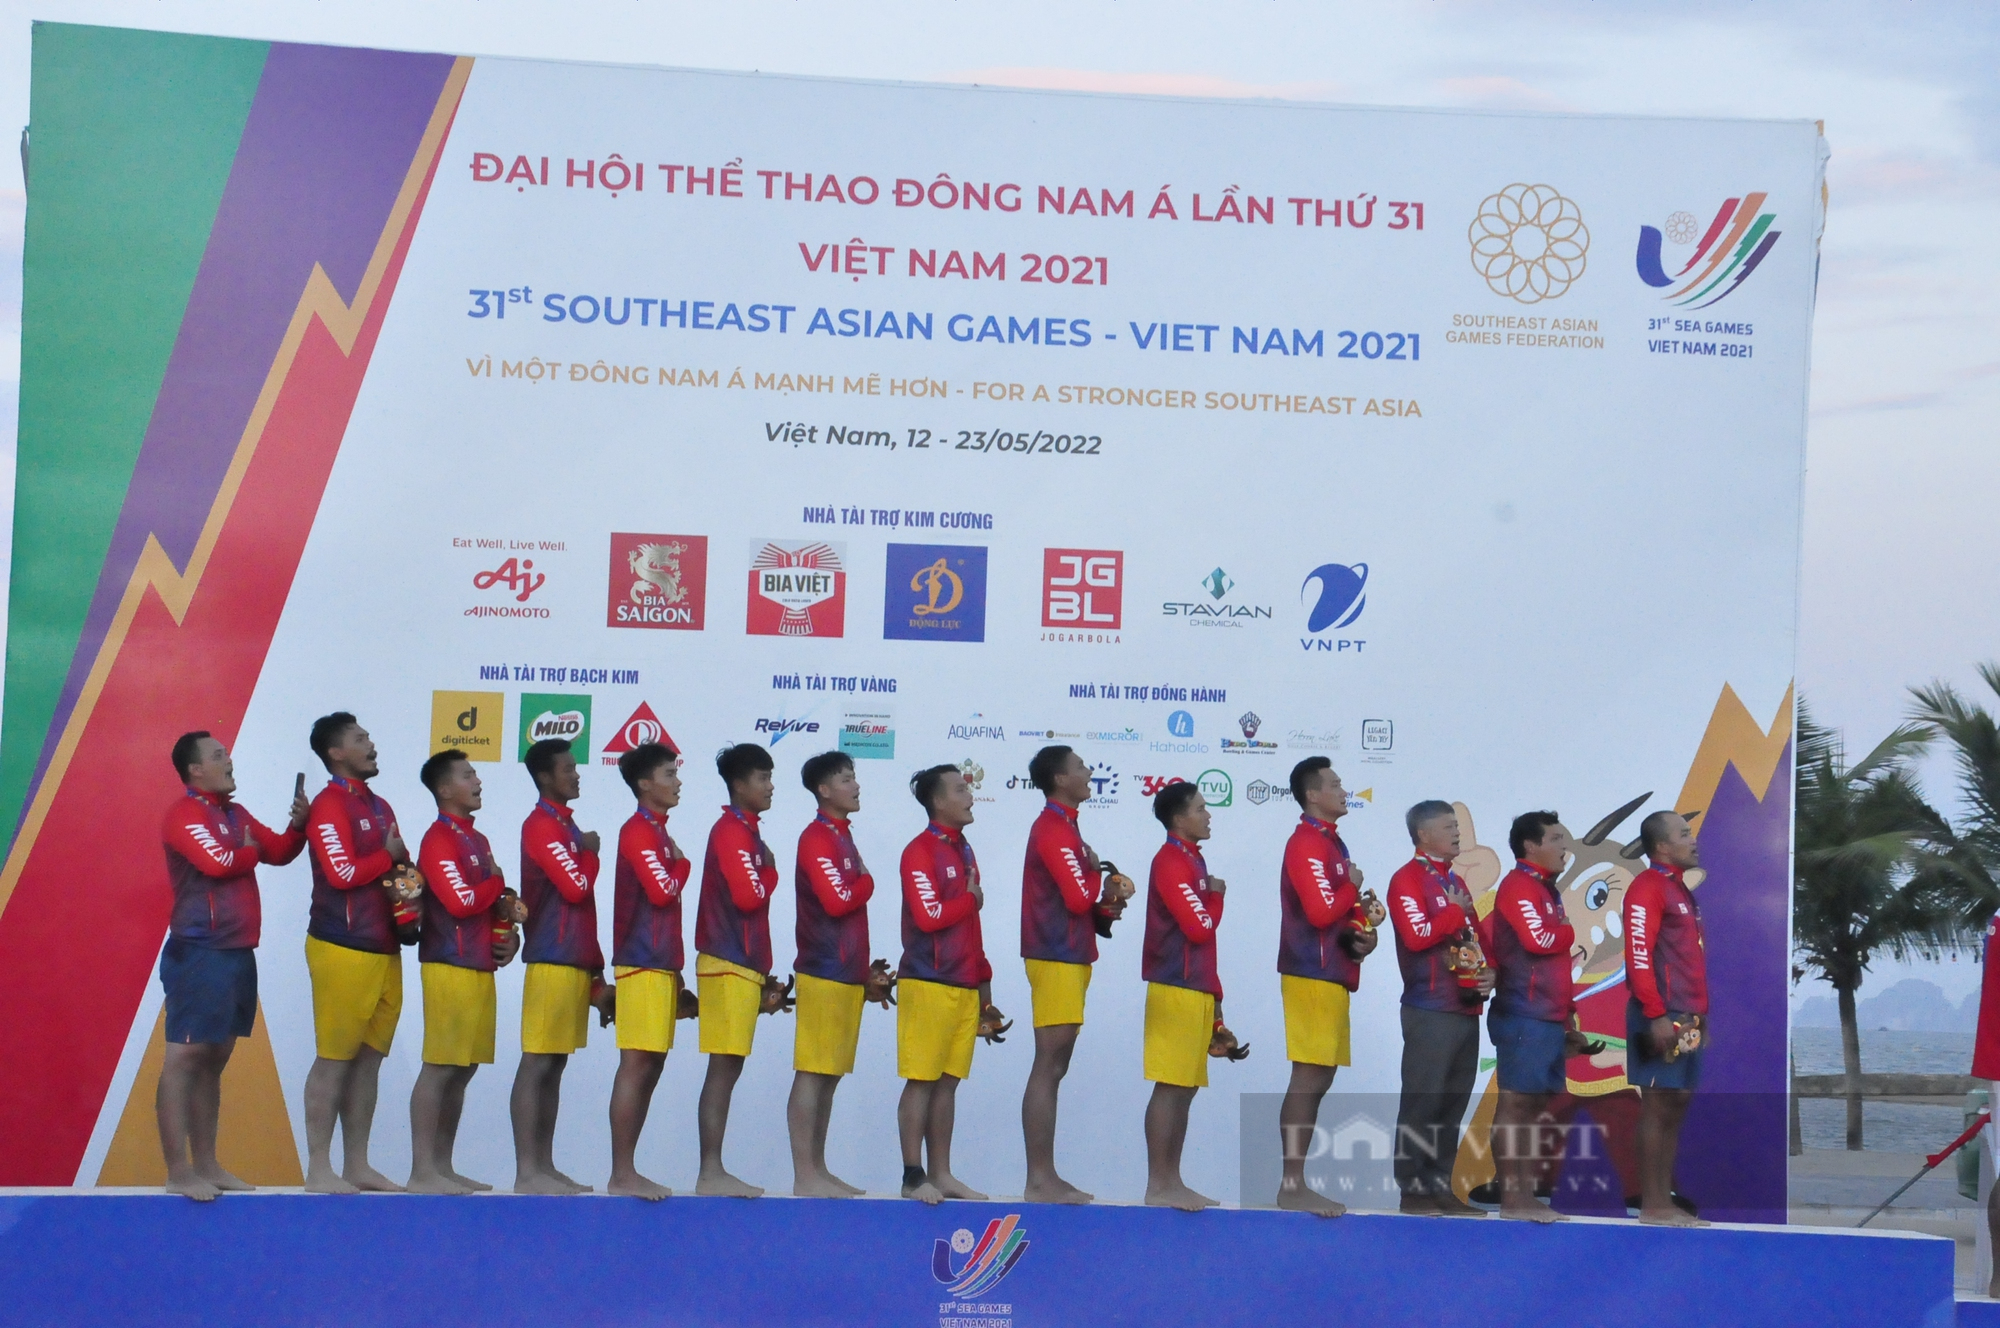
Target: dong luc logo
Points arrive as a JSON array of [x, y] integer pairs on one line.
[[1340, 598], [970, 1266]]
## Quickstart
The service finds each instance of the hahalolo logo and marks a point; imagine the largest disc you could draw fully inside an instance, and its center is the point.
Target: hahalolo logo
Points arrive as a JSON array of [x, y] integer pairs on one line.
[[1529, 242], [1734, 245]]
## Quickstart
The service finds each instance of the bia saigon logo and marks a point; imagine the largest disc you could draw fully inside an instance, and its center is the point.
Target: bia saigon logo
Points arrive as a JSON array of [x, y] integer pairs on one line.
[[797, 588], [1734, 245], [547, 715], [1342, 596], [935, 592], [1083, 590], [658, 581], [969, 1266]]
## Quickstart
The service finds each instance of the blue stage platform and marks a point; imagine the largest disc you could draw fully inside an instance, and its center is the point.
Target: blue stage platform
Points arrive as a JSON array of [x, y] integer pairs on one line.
[[287, 1258]]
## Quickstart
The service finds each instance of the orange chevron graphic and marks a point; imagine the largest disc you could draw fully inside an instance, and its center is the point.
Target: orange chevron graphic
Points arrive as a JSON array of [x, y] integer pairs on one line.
[[1734, 737]]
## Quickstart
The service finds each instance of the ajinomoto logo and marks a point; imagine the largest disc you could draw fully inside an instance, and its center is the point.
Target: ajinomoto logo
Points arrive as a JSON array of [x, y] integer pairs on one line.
[[658, 581], [969, 1266], [550, 715], [935, 592], [469, 722], [1529, 242], [1734, 246]]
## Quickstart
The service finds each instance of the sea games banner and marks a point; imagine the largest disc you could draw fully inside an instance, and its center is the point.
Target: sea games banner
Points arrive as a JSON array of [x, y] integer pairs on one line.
[[499, 399]]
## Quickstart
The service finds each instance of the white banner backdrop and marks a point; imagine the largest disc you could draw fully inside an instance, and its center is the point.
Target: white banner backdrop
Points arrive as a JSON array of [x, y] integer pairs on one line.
[[1201, 436]]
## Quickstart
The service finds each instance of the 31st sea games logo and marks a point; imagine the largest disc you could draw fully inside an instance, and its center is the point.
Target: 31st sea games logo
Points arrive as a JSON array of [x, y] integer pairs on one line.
[[969, 1266], [1735, 244]]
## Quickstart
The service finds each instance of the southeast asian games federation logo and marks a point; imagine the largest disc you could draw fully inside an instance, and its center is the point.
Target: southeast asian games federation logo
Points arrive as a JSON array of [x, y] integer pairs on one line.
[[970, 1266], [1734, 245]]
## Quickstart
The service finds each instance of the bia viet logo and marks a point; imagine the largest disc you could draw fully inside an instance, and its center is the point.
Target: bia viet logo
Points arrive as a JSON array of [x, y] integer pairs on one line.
[[658, 581], [643, 727], [797, 588], [969, 1266], [1083, 588], [1342, 595], [1734, 246]]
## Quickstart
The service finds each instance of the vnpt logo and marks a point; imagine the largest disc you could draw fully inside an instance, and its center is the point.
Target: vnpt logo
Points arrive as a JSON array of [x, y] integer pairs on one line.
[[969, 1266], [1734, 245], [1083, 588], [1342, 596], [658, 581], [797, 588], [935, 592]]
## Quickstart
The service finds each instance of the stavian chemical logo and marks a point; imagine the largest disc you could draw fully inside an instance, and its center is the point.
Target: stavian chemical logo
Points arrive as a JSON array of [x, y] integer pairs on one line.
[[1215, 610]]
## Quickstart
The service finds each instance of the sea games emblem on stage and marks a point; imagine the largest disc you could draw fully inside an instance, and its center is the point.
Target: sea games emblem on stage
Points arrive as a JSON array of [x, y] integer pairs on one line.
[[1734, 244], [969, 1266], [797, 588], [1342, 595], [658, 581]]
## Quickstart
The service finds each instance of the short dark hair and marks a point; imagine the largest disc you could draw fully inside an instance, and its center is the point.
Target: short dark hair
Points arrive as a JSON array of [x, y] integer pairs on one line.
[[819, 769], [1306, 774], [541, 758], [1529, 828], [738, 763], [1172, 800], [327, 733], [925, 784], [186, 748], [643, 762], [1430, 809], [1044, 765], [437, 766], [1653, 831]]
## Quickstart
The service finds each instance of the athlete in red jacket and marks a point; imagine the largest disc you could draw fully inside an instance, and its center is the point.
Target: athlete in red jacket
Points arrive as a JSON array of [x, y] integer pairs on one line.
[[1666, 974], [209, 965]]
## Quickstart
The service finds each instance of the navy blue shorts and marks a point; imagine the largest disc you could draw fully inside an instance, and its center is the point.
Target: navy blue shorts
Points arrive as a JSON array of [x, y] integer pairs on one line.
[[1530, 1051], [1643, 1070], [211, 994]]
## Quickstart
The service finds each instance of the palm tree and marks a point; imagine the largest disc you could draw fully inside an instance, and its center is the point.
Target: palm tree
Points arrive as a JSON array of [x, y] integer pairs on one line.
[[1970, 861], [1863, 833]]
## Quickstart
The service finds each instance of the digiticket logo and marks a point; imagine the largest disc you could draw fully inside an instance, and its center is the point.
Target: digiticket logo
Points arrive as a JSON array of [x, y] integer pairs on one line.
[[1215, 611], [1083, 588], [935, 592], [470, 722], [658, 581], [1342, 596], [969, 1266], [642, 727], [1735, 245], [553, 715], [797, 588]]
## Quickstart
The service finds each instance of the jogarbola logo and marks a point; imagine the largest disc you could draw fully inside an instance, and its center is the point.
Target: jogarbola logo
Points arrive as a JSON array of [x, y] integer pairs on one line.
[[1734, 245], [970, 1266], [1529, 242]]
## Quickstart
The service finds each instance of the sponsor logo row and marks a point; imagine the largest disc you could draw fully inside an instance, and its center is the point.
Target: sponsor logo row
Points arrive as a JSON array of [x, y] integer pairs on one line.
[[932, 592]]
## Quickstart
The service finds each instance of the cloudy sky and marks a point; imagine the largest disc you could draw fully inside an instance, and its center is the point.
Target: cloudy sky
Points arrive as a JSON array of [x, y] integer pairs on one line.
[[1902, 559]]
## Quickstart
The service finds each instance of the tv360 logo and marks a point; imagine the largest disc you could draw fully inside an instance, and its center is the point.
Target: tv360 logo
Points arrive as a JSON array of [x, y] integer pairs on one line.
[[1149, 785], [1083, 588]]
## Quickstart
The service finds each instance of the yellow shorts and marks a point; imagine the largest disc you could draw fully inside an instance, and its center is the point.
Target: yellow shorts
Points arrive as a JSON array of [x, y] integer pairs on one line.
[[1180, 1023], [731, 996], [648, 1000], [555, 1010], [459, 1008], [829, 1025], [1058, 991], [935, 1029], [1315, 1021], [357, 998]]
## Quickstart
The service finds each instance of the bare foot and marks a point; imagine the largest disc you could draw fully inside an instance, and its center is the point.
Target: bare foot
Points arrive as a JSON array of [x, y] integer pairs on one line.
[[1056, 1191], [322, 1180], [472, 1186], [224, 1181], [1671, 1217], [951, 1187], [1305, 1199], [197, 1188], [720, 1182], [1450, 1205], [366, 1178], [820, 1185], [924, 1193], [851, 1189], [636, 1186], [1178, 1196], [574, 1186], [1531, 1210], [433, 1182], [540, 1182]]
